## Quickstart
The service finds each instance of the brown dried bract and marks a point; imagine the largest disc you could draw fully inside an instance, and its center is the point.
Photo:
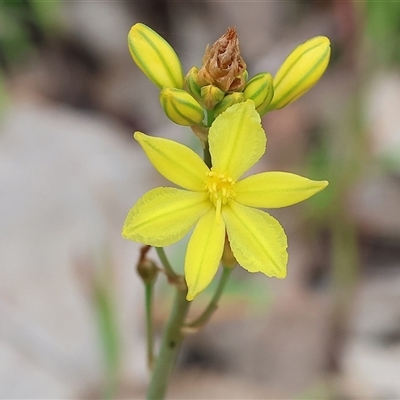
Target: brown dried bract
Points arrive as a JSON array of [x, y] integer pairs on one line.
[[223, 66]]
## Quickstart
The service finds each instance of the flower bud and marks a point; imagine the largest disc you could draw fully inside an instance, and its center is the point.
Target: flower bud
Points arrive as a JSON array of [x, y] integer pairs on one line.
[[191, 84], [147, 270], [260, 89], [155, 57], [211, 96], [180, 107], [223, 66], [300, 71], [245, 77], [229, 100]]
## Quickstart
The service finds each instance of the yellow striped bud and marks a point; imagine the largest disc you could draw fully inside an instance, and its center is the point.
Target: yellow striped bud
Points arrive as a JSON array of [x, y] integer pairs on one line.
[[300, 71], [191, 84], [227, 101], [181, 107], [211, 96], [245, 76], [260, 89], [155, 57]]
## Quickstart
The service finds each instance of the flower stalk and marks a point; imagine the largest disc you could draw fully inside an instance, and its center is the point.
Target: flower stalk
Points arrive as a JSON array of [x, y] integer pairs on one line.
[[149, 324], [170, 344], [169, 271], [148, 271], [206, 315]]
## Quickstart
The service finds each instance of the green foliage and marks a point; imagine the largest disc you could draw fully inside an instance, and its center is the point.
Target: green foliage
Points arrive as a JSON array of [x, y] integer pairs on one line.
[[107, 318], [2, 93], [22, 25], [383, 27]]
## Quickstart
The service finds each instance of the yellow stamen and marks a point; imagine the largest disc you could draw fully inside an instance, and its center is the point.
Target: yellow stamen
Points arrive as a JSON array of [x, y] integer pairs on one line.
[[218, 211], [221, 190]]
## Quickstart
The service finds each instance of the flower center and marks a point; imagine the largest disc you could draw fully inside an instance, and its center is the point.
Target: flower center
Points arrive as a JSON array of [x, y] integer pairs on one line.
[[220, 187]]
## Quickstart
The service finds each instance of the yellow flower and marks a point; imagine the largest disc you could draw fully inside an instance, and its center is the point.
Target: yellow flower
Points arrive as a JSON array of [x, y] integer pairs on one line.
[[217, 201], [155, 57]]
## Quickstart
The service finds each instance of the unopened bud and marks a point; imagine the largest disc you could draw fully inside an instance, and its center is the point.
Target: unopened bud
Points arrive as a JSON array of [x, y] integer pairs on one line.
[[180, 107], [245, 76], [191, 84], [155, 57], [147, 270], [300, 71], [211, 96], [260, 89], [229, 100]]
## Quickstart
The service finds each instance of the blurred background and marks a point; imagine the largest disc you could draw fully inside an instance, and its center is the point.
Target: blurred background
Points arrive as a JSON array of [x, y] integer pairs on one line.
[[71, 305]]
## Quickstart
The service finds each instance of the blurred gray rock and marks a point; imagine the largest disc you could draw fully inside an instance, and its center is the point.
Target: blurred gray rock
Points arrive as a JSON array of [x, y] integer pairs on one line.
[[373, 349], [67, 181], [375, 205], [383, 118]]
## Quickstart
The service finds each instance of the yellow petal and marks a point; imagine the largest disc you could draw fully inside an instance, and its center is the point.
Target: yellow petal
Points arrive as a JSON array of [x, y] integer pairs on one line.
[[155, 57], [174, 161], [257, 240], [164, 215], [237, 139], [204, 253], [276, 189]]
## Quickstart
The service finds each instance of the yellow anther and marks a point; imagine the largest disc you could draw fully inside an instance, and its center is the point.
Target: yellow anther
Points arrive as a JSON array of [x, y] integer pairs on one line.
[[220, 188]]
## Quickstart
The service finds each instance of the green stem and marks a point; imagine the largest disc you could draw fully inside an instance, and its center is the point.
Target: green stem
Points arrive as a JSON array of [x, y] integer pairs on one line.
[[207, 155], [167, 266], [206, 151], [210, 117], [213, 305], [149, 324], [170, 344]]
